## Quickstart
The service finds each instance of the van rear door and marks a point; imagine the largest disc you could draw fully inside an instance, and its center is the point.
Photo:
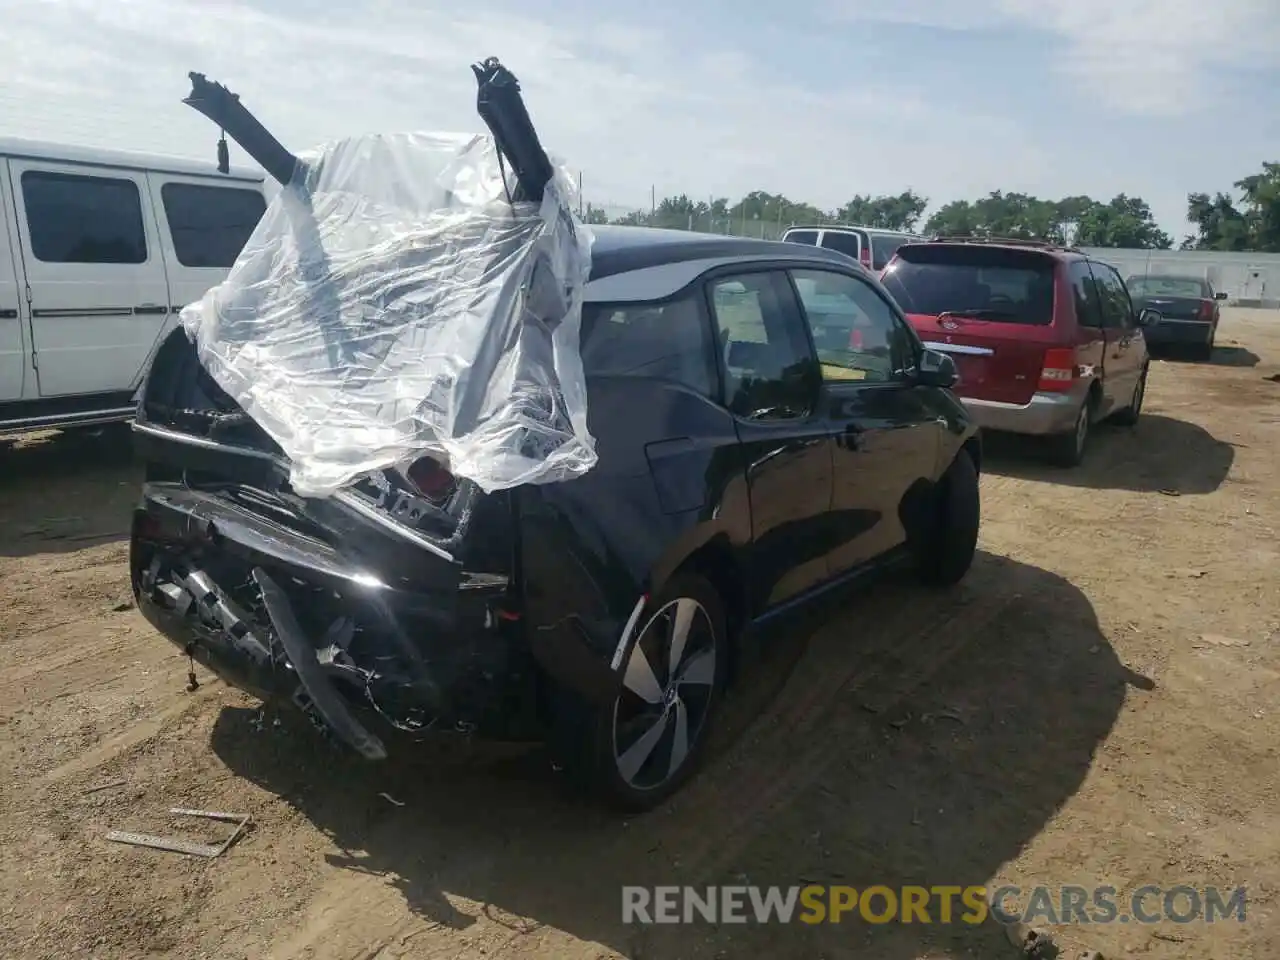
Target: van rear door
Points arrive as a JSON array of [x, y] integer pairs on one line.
[[13, 357], [990, 307], [92, 258], [204, 224]]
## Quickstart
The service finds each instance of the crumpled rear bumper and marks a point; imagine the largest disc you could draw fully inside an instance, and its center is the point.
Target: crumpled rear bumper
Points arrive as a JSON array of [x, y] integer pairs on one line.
[[279, 613]]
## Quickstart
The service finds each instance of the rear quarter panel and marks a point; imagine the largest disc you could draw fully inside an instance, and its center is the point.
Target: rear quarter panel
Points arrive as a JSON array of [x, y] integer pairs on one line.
[[668, 481]]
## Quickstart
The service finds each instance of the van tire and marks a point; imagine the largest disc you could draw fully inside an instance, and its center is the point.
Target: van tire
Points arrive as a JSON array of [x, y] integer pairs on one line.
[[1128, 417], [1068, 449], [945, 553], [590, 747]]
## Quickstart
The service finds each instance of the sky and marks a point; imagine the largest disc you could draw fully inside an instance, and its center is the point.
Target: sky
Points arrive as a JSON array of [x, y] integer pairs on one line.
[[815, 99]]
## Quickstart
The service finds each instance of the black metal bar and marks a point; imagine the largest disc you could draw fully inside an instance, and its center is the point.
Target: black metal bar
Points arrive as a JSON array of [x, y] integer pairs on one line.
[[231, 116], [502, 109]]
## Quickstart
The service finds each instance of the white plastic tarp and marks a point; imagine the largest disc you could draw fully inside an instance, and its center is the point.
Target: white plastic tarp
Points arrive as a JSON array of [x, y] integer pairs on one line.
[[392, 303]]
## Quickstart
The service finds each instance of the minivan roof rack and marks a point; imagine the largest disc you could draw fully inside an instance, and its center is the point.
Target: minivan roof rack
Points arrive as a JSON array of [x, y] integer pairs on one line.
[[1003, 241]]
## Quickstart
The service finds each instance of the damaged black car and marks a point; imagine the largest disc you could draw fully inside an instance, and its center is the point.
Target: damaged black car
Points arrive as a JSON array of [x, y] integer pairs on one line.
[[756, 425]]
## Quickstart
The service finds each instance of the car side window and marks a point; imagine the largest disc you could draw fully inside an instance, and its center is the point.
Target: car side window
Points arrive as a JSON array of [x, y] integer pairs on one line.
[[857, 334], [663, 341], [1088, 308], [770, 370]]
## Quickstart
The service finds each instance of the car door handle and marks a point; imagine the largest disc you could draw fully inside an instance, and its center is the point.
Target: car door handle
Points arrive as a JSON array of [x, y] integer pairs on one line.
[[150, 309]]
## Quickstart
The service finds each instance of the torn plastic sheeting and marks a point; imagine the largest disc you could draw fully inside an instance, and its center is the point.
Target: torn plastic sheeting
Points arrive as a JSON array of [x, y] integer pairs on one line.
[[392, 303]]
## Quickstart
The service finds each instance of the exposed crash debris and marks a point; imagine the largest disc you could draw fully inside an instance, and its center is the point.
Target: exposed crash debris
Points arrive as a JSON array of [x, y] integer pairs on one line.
[[174, 845], [406, 295]]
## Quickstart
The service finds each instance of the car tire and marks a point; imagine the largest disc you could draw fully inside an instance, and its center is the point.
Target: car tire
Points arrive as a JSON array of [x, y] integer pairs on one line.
[[1068, 449], [1128, 417], [945, 554], [628, 753]]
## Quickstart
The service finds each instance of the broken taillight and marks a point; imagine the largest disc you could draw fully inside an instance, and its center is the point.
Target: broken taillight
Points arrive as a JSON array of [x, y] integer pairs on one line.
[[429, 479]]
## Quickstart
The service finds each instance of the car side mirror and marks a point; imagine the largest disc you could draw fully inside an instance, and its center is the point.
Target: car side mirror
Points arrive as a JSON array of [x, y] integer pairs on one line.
[[1220, 295], [936, 369], [1149, 318]]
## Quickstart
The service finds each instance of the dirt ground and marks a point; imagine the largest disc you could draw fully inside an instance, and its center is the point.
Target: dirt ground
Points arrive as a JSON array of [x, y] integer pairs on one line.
[[1099, 703]]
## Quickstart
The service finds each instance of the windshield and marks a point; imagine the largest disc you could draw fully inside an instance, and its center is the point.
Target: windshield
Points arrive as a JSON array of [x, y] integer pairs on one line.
[[1168, 287], [1009, 286]]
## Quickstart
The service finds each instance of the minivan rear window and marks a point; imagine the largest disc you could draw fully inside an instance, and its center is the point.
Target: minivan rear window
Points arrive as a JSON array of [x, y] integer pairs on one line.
[[1010, 286]]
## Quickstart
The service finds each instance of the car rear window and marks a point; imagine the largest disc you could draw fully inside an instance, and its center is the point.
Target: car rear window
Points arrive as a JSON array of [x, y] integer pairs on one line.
[[1011, 286], [1168, 287], [802, 236]]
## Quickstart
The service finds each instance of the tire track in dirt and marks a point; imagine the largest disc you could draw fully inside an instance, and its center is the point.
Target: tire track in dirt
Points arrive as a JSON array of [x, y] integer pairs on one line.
[[840, 718]]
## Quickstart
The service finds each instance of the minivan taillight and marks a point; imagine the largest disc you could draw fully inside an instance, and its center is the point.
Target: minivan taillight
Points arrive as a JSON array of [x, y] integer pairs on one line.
[[1206, 310], [1059, 370], [864, 256]]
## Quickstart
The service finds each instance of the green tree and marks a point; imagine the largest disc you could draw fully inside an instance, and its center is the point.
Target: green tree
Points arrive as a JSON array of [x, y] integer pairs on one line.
[[900, 212], [1124, 222], [1219, 225], [1261, 195]]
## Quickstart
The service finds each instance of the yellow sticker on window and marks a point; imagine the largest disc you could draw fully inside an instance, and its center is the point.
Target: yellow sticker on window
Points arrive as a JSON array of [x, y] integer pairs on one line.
[[832, 372]]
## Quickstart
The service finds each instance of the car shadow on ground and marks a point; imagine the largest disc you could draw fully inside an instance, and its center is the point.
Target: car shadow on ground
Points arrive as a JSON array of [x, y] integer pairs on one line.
[[61, 492], [920, 738], [1229, 356], [1161, 454]]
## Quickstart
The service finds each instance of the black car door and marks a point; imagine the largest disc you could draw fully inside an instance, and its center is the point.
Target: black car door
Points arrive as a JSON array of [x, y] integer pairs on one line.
[[888, 434], [772, 386]]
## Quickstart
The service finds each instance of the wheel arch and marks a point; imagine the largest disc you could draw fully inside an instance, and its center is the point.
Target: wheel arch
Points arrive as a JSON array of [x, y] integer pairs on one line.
[[715, 559]]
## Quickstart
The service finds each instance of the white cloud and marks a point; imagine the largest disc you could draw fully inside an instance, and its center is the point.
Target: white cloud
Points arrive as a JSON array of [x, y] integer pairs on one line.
[[1144, 57], [630, 106]]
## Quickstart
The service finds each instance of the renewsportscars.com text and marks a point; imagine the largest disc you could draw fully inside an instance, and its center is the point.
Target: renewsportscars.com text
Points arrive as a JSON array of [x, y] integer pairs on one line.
[[818, 903]]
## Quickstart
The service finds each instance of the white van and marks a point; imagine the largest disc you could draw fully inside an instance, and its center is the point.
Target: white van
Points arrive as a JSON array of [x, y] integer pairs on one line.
[[870, 246], [99, 252]]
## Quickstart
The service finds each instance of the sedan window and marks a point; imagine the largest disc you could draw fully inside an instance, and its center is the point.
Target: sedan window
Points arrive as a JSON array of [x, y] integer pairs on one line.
[[857, 335], [771, 372]]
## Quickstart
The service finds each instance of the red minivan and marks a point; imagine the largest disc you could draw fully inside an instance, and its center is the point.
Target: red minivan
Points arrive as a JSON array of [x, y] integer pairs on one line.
[[1045, 338]]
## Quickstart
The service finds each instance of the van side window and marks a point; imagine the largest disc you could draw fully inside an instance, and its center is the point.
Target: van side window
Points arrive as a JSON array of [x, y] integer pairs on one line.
[[771, 372], [210, 225], [841, 242], [79, 219], [1117, 309], [666, 341], [1088, 309]]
